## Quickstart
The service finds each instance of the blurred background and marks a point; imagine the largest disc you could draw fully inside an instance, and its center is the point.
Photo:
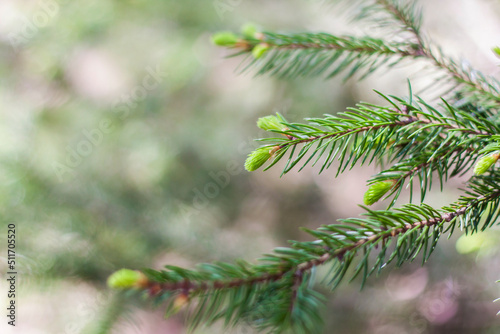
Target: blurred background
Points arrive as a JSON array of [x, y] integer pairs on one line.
[[123, 133]]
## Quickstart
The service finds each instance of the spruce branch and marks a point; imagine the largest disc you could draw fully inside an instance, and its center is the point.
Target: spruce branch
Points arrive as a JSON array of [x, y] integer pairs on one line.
[[406, 13], [449, 159], [368, 133], [402, 15], [308, 54], [428, 140], [474, 81], [315, 54], [471, 82], [225, 290]]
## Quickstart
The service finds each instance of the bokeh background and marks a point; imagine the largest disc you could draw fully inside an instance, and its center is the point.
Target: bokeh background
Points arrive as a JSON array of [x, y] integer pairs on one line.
[[116, 119]]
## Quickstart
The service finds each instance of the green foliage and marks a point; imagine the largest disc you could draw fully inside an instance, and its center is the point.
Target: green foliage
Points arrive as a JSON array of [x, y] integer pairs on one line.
[[410, 138]]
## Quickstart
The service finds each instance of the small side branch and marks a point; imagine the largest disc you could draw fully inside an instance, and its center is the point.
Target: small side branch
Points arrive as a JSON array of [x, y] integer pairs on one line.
[[477, 81]]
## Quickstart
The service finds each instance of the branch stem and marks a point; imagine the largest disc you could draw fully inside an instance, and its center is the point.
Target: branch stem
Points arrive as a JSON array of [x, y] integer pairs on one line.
[[408, 120]]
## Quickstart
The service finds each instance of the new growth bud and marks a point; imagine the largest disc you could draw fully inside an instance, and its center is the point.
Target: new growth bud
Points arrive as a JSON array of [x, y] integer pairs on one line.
[[249, 30], [126, 279], [259, 50], [225, 38], [259, 157], [496, 50], [270, 123], [485, 163], [377, 190]]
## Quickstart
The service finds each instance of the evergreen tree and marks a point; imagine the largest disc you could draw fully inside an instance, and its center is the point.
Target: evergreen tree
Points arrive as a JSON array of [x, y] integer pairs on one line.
[[414, 141]]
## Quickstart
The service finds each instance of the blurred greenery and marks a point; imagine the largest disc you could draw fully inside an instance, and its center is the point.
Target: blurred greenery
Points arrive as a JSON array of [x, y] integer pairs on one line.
[[103, 166]]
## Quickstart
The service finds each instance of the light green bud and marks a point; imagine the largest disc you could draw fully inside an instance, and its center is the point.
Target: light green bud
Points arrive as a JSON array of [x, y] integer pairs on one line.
[[485, 163], [225, 38], [249, 30], [496, 50], [270, 123], [259, 50], [377, 190], [257, 158], [126, 279]]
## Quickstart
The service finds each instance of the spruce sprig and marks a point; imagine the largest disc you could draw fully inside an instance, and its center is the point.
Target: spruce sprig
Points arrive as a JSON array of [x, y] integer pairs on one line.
[[316, 54], [309, 54], [275, 293], [370, 133], [406, 16]]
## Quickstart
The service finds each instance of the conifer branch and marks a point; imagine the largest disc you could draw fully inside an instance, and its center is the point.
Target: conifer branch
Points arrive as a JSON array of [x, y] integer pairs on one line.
[[459, 209], [406, 15], [442, 159], [414, 229], [309, 54], [473, 79], [478, 85], [415, 127]]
